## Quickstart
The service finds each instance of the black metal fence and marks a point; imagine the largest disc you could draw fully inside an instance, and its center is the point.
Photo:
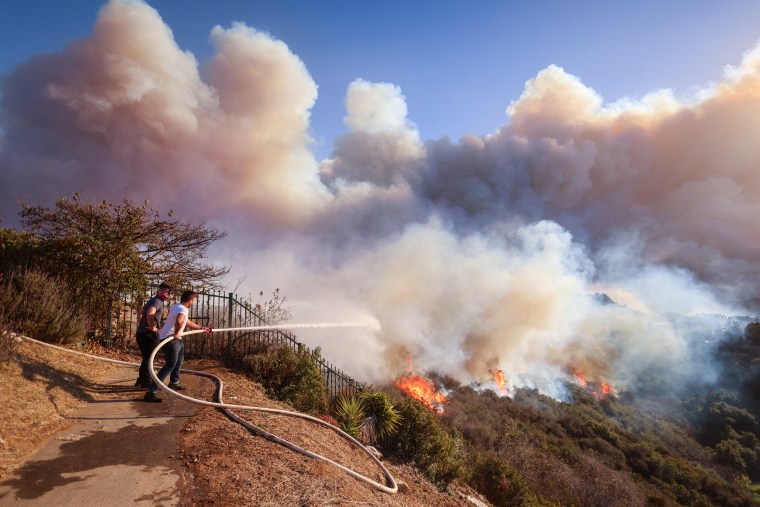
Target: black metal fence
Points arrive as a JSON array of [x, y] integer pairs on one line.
[[219, 310]]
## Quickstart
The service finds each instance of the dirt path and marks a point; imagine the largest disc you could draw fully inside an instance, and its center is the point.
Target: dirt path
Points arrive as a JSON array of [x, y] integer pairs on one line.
[[119, 451]]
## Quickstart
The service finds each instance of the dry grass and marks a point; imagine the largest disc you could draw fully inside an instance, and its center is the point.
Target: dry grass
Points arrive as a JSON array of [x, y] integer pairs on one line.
[[230, 466], [227, 465], [42, 387]]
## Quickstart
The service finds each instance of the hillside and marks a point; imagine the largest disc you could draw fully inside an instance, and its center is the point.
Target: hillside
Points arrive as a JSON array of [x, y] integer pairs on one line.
[[664, 445], [657, 446]]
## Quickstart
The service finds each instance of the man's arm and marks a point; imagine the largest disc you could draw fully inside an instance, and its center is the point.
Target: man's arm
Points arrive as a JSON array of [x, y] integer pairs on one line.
[[150, 319], [192, 325], [178, 325]]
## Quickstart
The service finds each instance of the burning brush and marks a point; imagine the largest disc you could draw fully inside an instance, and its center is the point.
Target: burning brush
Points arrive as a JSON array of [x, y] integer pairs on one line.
[[599, 389], [421, 389], [502, 386]]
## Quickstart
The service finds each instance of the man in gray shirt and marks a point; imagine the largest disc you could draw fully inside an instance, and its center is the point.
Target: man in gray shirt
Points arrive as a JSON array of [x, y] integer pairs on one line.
[[149, 322]]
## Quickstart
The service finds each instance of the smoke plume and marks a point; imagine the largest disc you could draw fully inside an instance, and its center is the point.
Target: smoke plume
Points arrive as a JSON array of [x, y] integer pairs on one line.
[[487, 252]]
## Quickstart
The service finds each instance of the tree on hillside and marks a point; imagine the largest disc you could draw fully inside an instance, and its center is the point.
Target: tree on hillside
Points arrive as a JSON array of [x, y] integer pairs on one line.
[[103, 250]]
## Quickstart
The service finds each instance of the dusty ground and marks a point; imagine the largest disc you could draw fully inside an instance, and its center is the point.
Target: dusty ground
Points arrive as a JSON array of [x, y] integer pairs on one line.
[[43, 389], [218, 462], [118, 447]]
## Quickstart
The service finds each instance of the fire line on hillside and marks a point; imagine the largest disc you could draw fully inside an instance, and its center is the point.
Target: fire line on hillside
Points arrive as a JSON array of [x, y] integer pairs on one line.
[[421, 389], [600, 389]]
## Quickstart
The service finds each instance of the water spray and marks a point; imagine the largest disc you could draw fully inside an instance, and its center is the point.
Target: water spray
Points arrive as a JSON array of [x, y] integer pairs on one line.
[[320, 325]]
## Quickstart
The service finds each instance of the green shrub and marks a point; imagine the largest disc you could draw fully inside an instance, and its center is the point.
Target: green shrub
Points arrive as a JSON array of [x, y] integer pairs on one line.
[[422, 439], [606, 433], [502, 485], [19, 250], [40, 306], [290, 376], [729, 452]]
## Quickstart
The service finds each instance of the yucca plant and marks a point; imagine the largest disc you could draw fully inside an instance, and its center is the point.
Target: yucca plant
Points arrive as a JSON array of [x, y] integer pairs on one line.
[[382, 420], [349, 412]]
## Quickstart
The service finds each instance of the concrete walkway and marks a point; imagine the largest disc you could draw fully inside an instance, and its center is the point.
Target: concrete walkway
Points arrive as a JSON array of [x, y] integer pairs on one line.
[[119, 451]]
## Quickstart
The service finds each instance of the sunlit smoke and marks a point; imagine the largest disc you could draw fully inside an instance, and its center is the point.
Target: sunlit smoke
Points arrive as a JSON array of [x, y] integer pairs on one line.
[[127, 111]]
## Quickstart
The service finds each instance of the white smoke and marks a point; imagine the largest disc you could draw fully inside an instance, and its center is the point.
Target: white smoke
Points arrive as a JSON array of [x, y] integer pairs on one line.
[[479, 254]]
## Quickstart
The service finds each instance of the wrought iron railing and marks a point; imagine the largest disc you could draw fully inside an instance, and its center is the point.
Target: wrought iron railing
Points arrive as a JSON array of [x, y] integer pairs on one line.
[[218, 309]]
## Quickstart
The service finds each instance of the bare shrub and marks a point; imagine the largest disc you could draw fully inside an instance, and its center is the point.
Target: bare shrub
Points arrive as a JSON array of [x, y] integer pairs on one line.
[[40, 306], [273, 310]]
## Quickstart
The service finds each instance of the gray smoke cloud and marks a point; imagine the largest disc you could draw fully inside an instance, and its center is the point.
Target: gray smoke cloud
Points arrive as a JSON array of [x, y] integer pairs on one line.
[[477, 254], [126, 111]]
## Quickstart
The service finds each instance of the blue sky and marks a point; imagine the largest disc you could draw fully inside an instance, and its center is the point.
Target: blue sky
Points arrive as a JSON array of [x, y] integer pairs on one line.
[[459, 64]]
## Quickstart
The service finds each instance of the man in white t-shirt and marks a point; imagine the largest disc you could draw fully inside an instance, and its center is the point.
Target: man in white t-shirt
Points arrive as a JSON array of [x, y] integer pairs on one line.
[[174, 351]]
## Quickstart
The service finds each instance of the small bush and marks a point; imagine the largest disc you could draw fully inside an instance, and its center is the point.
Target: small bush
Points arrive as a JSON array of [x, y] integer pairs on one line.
[[502, 485], [729, 452], [290, 376], [40, 306]]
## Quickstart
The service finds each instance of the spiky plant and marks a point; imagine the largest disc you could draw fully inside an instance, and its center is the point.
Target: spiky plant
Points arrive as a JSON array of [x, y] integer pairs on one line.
[[349, 412], [382, 418]]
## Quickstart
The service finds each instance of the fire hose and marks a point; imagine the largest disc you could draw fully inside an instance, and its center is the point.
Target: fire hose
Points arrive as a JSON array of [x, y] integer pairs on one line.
[[226, 408]]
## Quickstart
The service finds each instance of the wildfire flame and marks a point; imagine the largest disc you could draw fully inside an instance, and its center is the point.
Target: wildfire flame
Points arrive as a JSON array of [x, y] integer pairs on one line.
[[604, 389], [422, 390], [501, 381]]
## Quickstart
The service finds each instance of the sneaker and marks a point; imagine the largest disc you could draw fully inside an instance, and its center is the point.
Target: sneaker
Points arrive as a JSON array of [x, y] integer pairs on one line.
[[152, 398], [177, 387]]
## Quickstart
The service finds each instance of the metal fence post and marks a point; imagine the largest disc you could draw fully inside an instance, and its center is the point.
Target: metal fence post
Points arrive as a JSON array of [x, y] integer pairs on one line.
[[109, 331], [229, 324]]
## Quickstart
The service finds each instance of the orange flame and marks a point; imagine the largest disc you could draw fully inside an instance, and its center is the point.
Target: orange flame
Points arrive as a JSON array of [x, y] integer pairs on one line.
[[501, 381], [422, 390], [604, 388]]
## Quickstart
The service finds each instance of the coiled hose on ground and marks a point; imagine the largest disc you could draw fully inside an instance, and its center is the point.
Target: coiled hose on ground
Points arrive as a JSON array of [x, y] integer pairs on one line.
[[227, 409]]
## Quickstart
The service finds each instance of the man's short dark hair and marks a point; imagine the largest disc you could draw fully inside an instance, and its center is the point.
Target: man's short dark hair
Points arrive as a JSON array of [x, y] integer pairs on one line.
[[187, 296], [165, 285]]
